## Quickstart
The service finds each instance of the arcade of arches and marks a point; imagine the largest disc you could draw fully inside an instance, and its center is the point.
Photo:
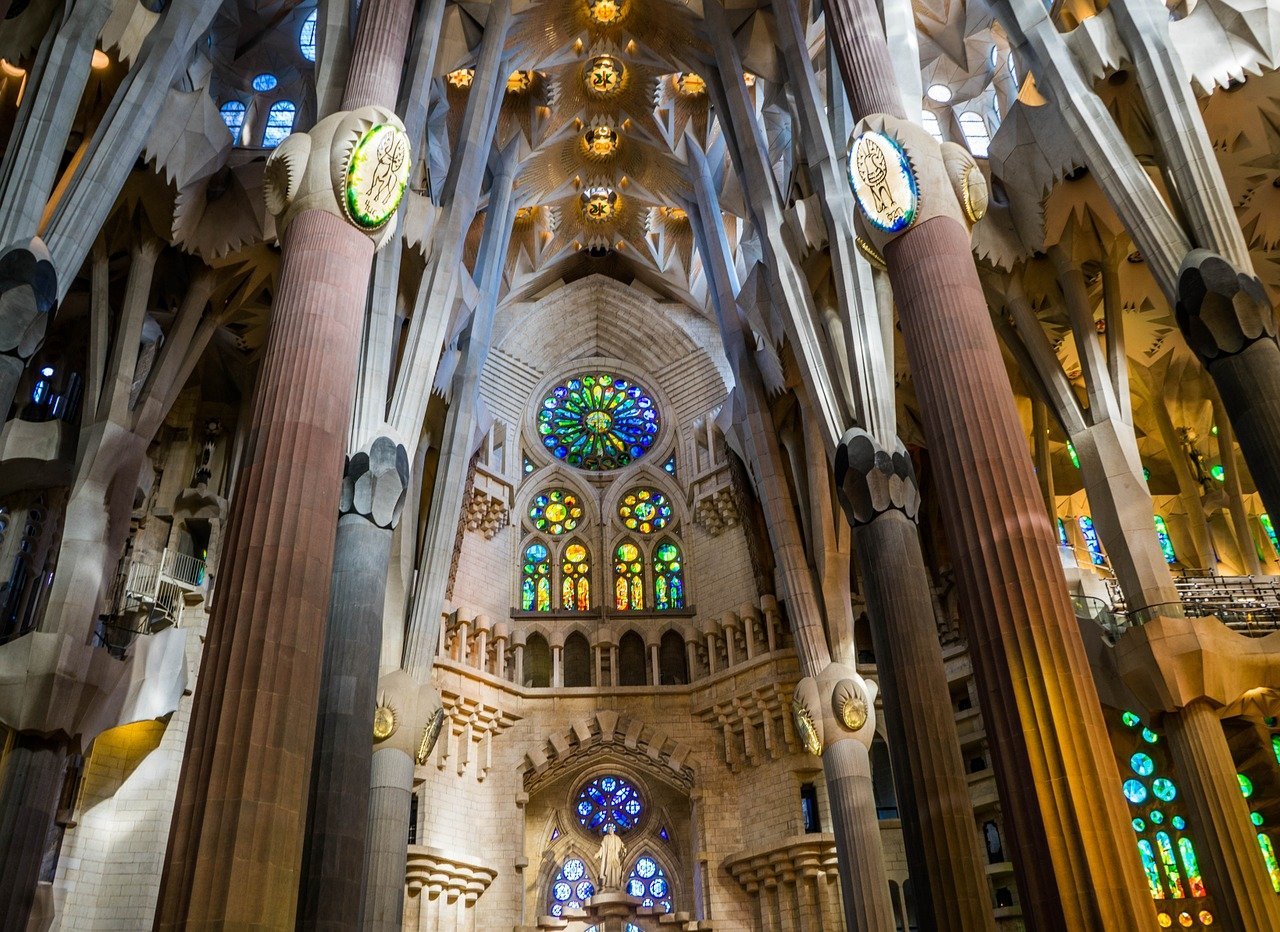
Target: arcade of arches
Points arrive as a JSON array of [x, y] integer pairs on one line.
[[639, 465]]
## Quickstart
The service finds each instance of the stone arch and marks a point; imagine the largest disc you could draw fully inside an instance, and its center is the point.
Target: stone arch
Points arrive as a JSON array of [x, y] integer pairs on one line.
[[632, 656], [651, 474], [537, 660], [606, 735], [673, 659], [576, 660], [882, 787]]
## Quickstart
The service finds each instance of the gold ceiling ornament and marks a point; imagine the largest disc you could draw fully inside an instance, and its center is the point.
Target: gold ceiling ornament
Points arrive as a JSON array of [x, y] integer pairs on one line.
[[601, 141], [430, 734], [525, 214], [849, 705], [384, 722], [676, 214], [607, 12], [519, 82], [461, 78], [599, 205], [605, 75], [689, 84], [748, 79]]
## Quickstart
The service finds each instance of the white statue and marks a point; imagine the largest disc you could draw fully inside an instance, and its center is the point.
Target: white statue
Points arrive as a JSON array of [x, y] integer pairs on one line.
[[612, 851]]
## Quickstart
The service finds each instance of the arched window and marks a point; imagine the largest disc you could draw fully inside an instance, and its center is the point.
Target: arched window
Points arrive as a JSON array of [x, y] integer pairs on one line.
[[1166, 545], [577, 661], [631, 660], [555, 511], [882, 780], [648, 882], [598, 422], [575, 578], [1091, 540], [673, 663], [279, 123], [307, 37], [976, 133], [644, 510], [537, 661], [609, 800], [233, 115], [929, 120], [628, 583], [668, 576], [535, 582], [571, 888]]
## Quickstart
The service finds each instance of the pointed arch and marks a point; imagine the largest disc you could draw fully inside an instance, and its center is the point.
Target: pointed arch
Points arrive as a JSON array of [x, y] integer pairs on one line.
[[537, 661], [673, 660], [576, 662], [628, 576], [575, 576], [631, 660], [668, 575], [535, 576]]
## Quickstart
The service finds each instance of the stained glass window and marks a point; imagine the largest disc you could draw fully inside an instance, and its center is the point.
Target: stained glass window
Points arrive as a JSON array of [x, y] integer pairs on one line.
[[1142, 764], [526, 464], [307, 37], [644, 510], [1149, 867], [1164, 789], [233, 115], [1091, 540], [628, 578], [670, 467], [1172, 876], [609, 800], [1269, 858], [265, 82], [1063, 540], [279, 123], [571, 888], [1265, 520], [575, 578], [648, 882], [668, 577], [604, 75], [1166, 545], [1191, 864], [535, 584], [555, 511], [598, 422]]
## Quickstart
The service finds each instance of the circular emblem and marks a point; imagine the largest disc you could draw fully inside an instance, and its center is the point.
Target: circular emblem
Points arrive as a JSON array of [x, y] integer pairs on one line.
[[377, 173], [430, 734], [806, 729], [384, 722], [882, 181]]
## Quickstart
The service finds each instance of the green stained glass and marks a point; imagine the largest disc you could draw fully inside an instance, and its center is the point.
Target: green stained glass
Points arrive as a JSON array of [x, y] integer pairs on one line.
[[1275, 747], [1149, 736], [1246, 785], [1172, 876], [628, 581], [644, 510], [1071, 451], [1142, 764], [1218, 472], [1265, 520], [555, 511], [668, 577], [598, 422], [1149, 868], [1130, 719], [1164, 789], [1135, 792], [1139, 825], [1269, 858], [1179, 822], [1256, 818], [1191, 864], [1166, 545], [535, 583], [1156, 816]]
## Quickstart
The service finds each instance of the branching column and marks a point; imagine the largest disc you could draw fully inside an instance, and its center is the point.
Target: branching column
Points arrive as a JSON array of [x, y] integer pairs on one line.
[[32, 782], [879, 495], [236, 843], [1076, 865]]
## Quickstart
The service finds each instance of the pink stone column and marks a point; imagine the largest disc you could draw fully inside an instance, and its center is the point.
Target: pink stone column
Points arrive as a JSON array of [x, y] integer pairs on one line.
[[235, 846], [1076, 862]]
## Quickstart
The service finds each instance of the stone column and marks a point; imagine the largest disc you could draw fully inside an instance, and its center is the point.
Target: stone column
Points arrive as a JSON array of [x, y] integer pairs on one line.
[[387, 840], [1235, 496], [30, 785], [655, 677], [246, 772], [1226, 843], [517, 644], [879, 495], [373, 493], [1077, 866], [557, 665]]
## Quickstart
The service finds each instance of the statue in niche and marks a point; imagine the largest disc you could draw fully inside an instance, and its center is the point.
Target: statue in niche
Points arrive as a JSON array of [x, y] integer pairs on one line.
[[612, 851]]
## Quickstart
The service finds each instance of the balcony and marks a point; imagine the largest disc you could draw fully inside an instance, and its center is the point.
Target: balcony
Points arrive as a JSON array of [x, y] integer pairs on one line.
[[152, 598]]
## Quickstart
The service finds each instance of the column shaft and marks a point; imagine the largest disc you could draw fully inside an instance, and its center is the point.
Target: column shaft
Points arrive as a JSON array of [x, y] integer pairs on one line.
[[30, 785], [865, 891], [333, 858], [1249, 383], [387, 845], [933, 793], [236, 844], [1228, 849]]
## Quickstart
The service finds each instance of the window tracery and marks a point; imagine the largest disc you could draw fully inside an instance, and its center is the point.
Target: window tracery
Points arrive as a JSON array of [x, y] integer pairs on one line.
[[571, 888], [609, 800], [535, 584], [648, 882], [575, 584], [668, 576], [628, 572], [598, 422], [644, 510], [279, 123]]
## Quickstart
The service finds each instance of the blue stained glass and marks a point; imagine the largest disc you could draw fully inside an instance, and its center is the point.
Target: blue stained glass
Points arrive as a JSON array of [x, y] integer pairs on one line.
[[1164, 789], [562, 891], [645, 867], [598, 422], [233, 115], [307, 37], [1142, 764], [670, 464], [609, 800], [265, 82], [1166, 545], [571, 887], [658, 887], [1135, 792], [279, 123], [1179, 822], [648, 881], [635, 887], [573, 869], [1091, 540], [663, 835], [584, 890]]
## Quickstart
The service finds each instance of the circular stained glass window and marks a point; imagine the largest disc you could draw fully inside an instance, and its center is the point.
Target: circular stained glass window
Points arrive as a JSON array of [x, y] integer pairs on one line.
[[1135, 792], [1165, 920], [1139, 825], [644, 510], [1185, 920], [555, 511], [609, 800], [1142, 764], [1149, 736], [1164, 789], [1255, 818], [265, 82], [1246, 785], [1206, 917], [1130, 719], [648, 883], [571, 887], [598, 422], [1179, 822]]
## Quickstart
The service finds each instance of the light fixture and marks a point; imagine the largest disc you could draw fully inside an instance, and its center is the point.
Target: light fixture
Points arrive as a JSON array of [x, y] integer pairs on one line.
[[461, 78], [524, 214], [519, 81], [607, 12], [604, 75], [939, 93], [99, 60], [599, 204], [601, 141], [47, 372]]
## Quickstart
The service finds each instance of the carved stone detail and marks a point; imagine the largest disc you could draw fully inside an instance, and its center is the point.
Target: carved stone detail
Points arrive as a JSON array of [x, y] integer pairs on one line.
[[374, 483], [1220, 310], [871, 481]]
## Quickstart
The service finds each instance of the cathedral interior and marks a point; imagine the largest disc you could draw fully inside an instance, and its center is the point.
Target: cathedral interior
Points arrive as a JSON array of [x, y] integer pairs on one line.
[[639, 465]]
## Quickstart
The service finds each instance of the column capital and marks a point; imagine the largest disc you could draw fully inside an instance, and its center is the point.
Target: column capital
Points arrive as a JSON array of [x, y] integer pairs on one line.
[[835, 705], [871, 481], [375, 482], [1220, 310]]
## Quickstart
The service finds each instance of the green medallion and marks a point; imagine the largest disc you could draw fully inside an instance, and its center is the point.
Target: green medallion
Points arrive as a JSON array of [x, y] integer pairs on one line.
[[377, 173]]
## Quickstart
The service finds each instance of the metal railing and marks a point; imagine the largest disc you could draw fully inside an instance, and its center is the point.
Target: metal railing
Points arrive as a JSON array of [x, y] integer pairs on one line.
[[1245, 604]]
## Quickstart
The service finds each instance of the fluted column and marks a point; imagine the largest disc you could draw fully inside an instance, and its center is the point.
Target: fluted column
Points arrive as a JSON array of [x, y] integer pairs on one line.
[[1227, 846], [864, 888], [235, 848], [333, 858], [879, 495], [387, 844], [1058, 781], [30, 784]]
